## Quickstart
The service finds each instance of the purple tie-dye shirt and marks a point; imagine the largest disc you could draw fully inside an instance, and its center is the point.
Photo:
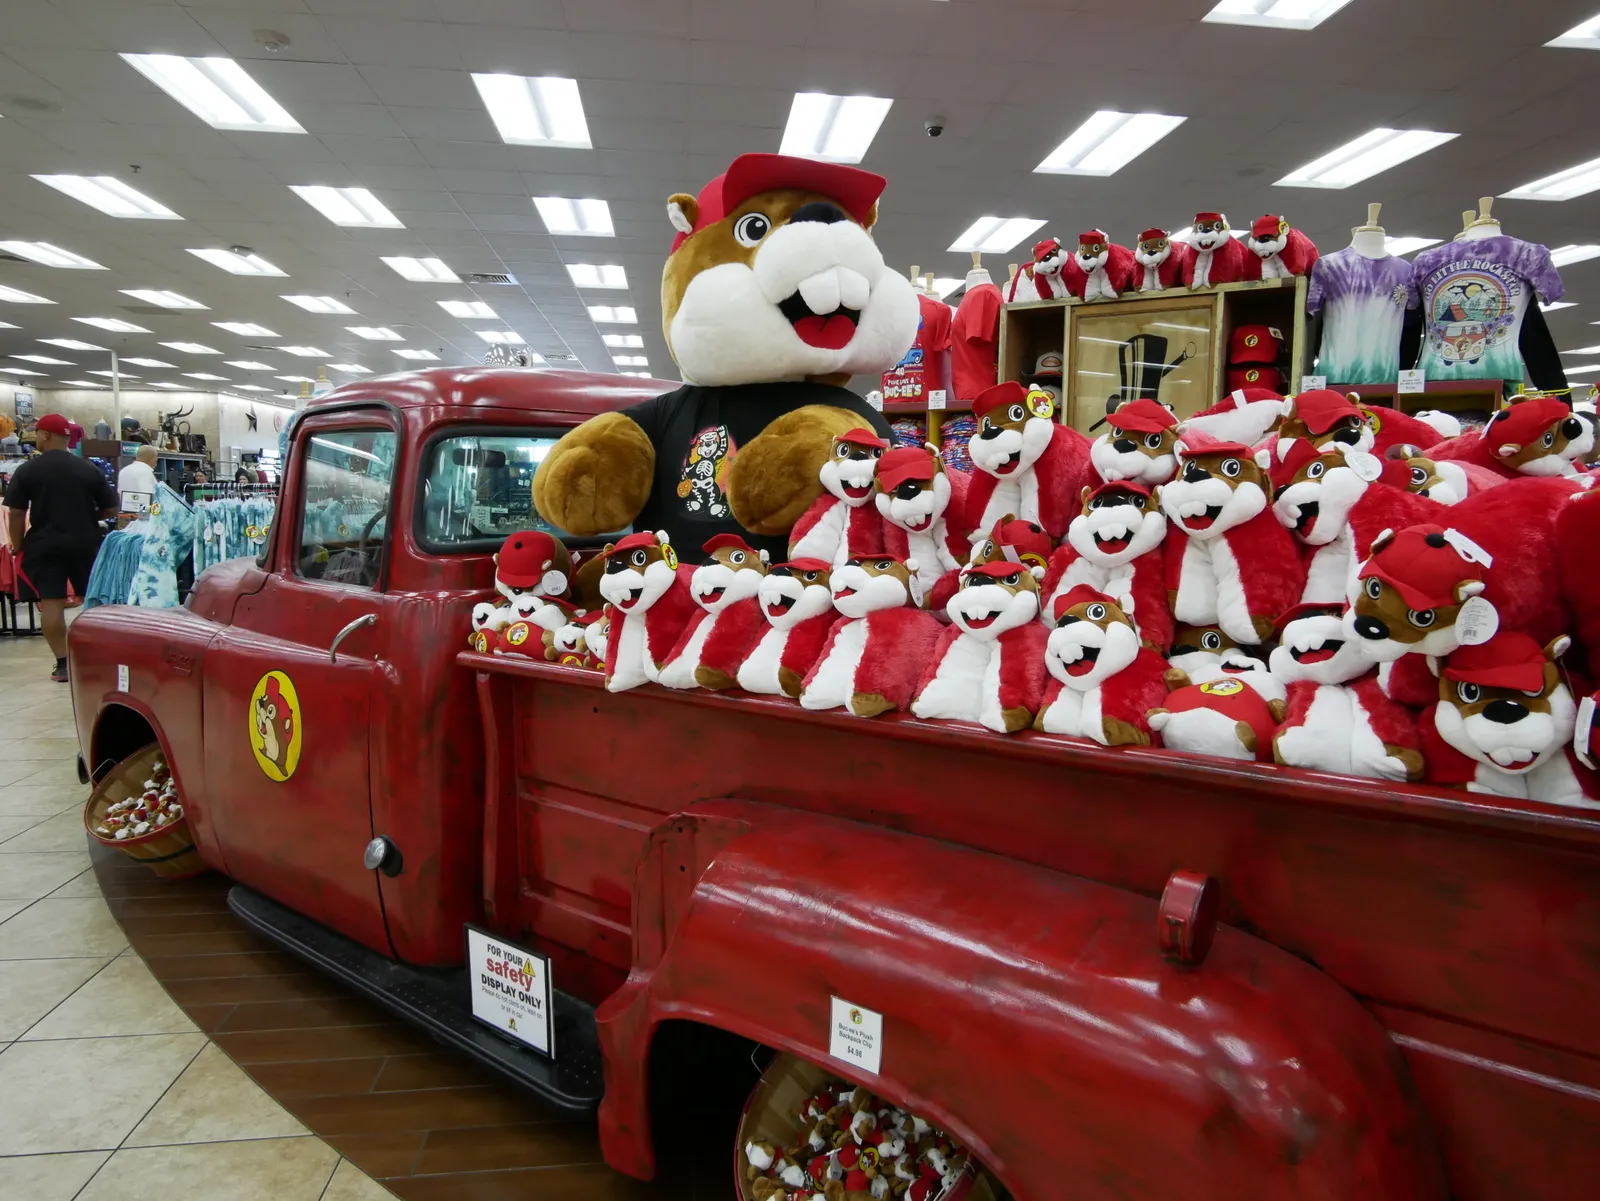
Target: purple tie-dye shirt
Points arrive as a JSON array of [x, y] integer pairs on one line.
[[1364, 303], [1474, 294]]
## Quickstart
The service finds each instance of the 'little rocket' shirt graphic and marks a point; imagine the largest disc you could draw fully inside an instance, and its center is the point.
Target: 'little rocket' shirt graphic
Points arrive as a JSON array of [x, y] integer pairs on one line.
[[1474, 294], [700, 484]]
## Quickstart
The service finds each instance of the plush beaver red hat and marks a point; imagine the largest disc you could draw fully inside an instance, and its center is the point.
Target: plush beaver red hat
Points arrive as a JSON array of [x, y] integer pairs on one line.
[[773, 296]]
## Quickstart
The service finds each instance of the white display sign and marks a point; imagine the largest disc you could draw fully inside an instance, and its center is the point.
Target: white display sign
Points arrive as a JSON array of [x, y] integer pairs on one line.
[[511, 990], [936, 398], [122, 677], [1313, 383], [1412, 381], [857, 1036]]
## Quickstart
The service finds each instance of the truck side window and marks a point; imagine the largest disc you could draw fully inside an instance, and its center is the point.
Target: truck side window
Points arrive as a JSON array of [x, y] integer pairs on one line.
[[344, 522]]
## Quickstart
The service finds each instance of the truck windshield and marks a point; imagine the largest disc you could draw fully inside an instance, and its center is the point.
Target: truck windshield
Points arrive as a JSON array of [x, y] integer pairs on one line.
[[477, 488]]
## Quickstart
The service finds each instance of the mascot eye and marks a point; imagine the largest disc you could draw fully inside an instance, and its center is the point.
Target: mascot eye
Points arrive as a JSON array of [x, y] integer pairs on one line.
[[1095, 612], [884, 564], [751, 228], [1153, 441], [736, 558], [1314, 472], [1211, 641], [1013, 579], [988, 551], [1015, 413], [1548, 440], [1470, 693], [1097, 502], [1374, 588], [1533, 692], [877, 452], [1419, 476], [1231, 468], [638, 558], [809, 577], [841, 451], [1421, 618]]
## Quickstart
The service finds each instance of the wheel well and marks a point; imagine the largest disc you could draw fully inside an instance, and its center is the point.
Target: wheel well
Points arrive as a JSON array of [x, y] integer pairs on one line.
[[119, 733], [700, 1079]]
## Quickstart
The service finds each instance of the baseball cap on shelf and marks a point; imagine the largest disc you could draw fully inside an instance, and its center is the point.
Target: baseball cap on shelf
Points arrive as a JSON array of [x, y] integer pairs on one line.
[[1254, 376], [1048, 365], [1255, 344]]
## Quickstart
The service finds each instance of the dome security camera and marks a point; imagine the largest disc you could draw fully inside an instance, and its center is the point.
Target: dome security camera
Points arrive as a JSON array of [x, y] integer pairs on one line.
[[933, 126]]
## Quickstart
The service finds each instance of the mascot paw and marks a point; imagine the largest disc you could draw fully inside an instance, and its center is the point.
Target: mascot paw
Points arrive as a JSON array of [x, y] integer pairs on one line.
[[773, 478], [1121, 733], [597, 478]]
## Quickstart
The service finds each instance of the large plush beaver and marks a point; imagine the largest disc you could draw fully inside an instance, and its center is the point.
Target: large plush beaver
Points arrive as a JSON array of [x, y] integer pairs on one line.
[[773, 296]]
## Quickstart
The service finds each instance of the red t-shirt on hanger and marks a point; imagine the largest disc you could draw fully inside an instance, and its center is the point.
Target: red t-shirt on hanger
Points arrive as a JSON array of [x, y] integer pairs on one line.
[[975, 341]]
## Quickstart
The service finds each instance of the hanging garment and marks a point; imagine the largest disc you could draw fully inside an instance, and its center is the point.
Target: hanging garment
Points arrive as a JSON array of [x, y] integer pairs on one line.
[[1475, 295], [1363, 302], [168, 543], [111, 579]]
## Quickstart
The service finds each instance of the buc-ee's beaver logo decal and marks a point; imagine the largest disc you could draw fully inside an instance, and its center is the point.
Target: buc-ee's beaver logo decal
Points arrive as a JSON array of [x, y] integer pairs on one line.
[[275, 726]]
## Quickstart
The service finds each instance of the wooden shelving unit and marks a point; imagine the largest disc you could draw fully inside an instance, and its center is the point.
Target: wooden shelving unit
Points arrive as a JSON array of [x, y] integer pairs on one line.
[[1448, 396]]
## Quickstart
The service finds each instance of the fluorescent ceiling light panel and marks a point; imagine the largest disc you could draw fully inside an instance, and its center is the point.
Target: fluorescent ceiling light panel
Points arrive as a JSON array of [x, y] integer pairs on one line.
[[238, 264], [217, 90], [18, 370], [1563, 185], [190, 347], [833, 129], [43, 358], [1407, 245], [630, 360], [416, 354], [110, 195], [8, 325], [1580, 37], [468, 309], [149, 363], [1563, 256], [251, 388], [320, 304], [539, 111], [502, 337], [202, 375], [995, 235], [1107, 142], [1274, 14], [423, 271], [355, 208], [70, 344], [114, 324], [18, 296], [50, 256], [167, 300], [119, 374], [295, 379], [351, 368], [1371, 154], [613, 314], [244, 365], [623, 341], [1584, 370], [589, 218], [1559, 304], [305, 352], [375, 333], [245, 329], [598, 275], [84, 383], [1580, 350], [944, 285], [167, 385], [636, 374]]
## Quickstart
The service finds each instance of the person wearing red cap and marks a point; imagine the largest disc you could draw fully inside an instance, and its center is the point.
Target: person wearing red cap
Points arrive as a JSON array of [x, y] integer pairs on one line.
[[843, 521], [727, 620], [1028, 464], [989, 666], [1138, 445], [1044, 278], [1100, 269], [1115, 546], [773, 296], [1218, 258], [798, 608], [1277, 251], [923, 506], [1103, 680], [55, 503], [1158, 261]]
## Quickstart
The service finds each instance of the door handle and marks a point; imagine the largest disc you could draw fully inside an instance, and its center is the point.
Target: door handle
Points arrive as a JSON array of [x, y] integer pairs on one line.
[[367, 619]]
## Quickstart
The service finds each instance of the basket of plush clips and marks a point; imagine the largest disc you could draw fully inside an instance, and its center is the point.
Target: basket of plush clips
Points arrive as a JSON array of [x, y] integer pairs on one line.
[[136, 809]]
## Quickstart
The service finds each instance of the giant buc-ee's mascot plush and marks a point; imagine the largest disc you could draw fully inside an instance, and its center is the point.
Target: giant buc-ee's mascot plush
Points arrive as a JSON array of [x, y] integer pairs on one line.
[[773, 296]]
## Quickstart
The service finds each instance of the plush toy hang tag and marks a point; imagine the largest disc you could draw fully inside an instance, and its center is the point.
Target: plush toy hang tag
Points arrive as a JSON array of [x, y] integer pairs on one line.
[[1040, 403], [553, 583], [915, 586], [1476, 621], [1580, 739], [1468, 549], [1367, 467]]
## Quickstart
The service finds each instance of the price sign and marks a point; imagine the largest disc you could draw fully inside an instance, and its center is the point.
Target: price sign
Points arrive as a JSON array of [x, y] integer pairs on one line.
[[936, 398], [857, 1036], [1412, 381], [1312, 383]]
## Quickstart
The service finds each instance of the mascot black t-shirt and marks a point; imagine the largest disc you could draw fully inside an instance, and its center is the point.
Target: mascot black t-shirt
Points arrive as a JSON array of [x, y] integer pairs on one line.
[[696, 431]]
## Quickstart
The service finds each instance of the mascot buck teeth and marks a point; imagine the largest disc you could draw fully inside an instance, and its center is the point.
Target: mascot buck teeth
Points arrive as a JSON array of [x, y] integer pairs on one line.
[[773, 296]]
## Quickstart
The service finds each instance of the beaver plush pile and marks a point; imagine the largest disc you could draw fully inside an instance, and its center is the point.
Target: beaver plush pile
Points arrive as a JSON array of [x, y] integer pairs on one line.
[[773, 296]]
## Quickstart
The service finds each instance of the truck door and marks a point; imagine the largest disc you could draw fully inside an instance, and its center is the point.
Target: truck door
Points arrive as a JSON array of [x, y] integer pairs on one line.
[[288, 687]]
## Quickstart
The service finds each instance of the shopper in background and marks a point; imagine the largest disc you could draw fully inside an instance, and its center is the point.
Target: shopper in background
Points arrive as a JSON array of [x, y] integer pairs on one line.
[[139, 475], [55, 504]]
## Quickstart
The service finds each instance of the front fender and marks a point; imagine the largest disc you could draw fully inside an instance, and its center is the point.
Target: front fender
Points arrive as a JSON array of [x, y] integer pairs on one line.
[[1027, 1011]]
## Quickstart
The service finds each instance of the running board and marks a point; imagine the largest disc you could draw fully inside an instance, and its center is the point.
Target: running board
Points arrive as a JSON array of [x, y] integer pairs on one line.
[[438, 1001]]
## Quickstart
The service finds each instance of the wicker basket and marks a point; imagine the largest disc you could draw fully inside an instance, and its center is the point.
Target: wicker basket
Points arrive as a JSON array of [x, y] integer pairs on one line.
[[167, 851]]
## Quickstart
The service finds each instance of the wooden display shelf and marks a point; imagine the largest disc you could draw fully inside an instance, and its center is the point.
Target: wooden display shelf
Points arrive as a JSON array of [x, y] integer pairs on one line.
[[1448, 396]]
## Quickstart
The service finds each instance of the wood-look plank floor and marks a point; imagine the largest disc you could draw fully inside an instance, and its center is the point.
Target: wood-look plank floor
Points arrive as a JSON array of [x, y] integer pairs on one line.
[[427, 1123]]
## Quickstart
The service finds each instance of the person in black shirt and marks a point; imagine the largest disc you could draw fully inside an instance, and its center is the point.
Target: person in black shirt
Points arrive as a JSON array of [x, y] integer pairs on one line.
[[59, 499]]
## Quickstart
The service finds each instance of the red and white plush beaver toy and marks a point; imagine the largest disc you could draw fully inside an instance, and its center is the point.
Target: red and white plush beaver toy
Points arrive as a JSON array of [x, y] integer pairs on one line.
[[1100, 269], [1158, 261], [1440, 479], [923, 507], [989, 666], [531, 569], [1326, 418], [1114, 546], [1138, 445], [798, 608], [1276, 251], [597, 634], [879, 646], [1218, 257], [1042, 279], [1028, 464], [650, 605], [1225, 718], [1229, 562], [1539, 436], [1010, 538], [1336, 503], [774, 295], [1338, 719], [488, 619], [1245, 415], [728, 620], [1203, 653], [843, 521], [1505, 720], [1103, 682]]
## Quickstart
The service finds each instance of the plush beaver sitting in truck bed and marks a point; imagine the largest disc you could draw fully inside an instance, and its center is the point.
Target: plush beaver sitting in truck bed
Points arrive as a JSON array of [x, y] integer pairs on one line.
[[773, 296]]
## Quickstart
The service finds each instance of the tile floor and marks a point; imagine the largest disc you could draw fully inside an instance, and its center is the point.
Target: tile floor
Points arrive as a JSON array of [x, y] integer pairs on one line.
[[108, 1091]]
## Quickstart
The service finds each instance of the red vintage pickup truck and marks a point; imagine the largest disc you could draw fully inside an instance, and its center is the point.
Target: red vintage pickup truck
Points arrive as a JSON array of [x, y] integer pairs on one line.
[[1113, 973]]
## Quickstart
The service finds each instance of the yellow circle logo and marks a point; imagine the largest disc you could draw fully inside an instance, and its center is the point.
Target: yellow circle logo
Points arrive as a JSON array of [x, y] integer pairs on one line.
[[517, 633], [1041, 403], [275, 726], [1251, 339], [1222, 688], [480, 642], [671, 556], [1252, 375]]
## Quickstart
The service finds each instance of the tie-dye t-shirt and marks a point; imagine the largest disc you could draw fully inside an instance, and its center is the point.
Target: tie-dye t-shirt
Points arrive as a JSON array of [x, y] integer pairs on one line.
[[1474, 294], [1364, 303]]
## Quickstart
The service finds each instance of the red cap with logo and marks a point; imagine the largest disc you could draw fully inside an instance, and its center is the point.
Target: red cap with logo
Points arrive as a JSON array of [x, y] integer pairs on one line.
[[524, 558], [1209, 218], [55, 423], [997, 570], [1267, 228], [1093, 237], [906, 463], [998, 396], [1145, 416], [1254, 344], [1047, 247], [1198, 442], [1263, 378], [1078, 594], [802, 565], [646, 540], [1322, 408], [728, 542], [1433, 559], [1021, 539], [1115, 487], [862, 436], [1301, 452], [1520, 424], [1396, 473], [1152, 235], [1511, 659], [751, 174]]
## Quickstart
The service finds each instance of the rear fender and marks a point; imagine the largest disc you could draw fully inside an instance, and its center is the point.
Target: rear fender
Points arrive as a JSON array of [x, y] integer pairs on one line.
[[1026, 1011]]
